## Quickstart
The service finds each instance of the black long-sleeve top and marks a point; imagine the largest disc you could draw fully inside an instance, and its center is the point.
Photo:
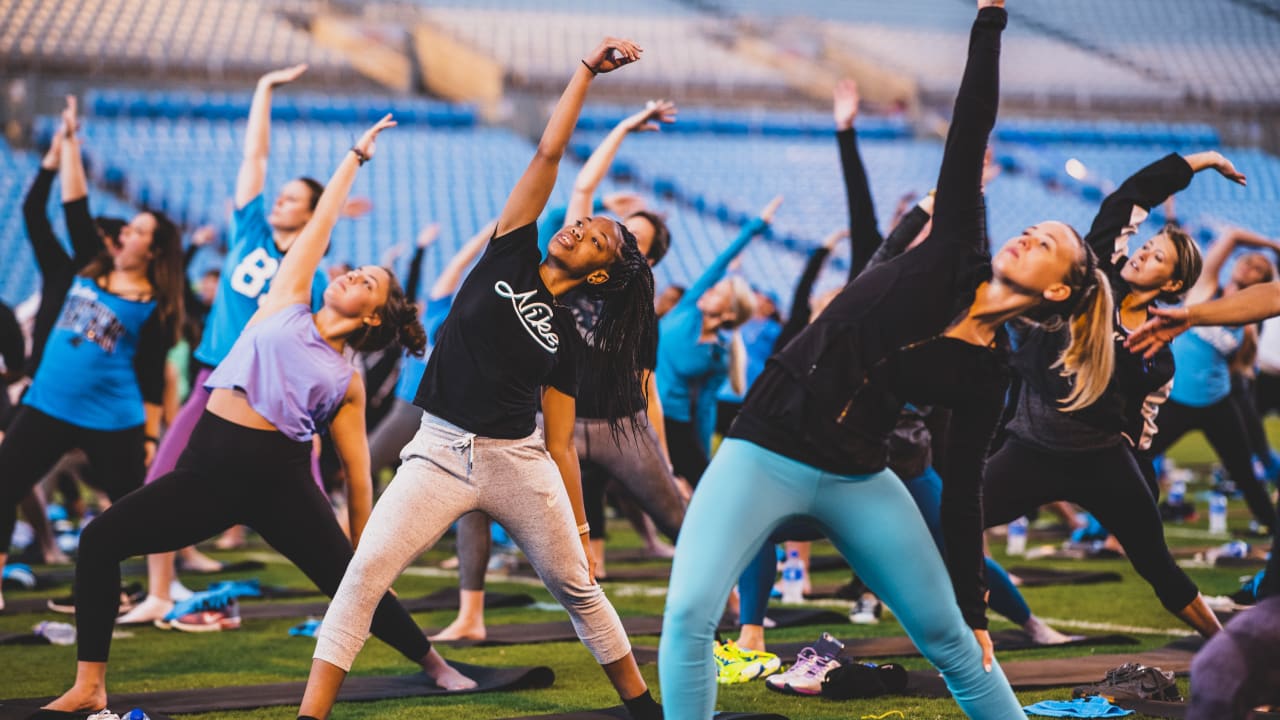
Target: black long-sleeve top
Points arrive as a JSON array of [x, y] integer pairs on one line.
[[12, 346], [831, 397], [1126, 410], [57, 270]]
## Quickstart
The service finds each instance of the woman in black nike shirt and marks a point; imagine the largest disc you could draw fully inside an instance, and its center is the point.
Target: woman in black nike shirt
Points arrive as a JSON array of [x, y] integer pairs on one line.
[[506, 346]]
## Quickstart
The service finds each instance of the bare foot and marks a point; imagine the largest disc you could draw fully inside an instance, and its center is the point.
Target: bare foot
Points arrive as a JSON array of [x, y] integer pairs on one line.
[[232, 539], [443, 674], [80, 699], [449, 563], [1042, 634], [55, 556], [461, 629], [197, 562], [146, 612], [660, 550]]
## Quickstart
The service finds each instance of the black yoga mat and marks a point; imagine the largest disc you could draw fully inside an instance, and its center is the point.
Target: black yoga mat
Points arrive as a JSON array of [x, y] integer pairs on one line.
[[562, 630], [290, 693], [446, 599], [23, 711], [901, 645], [1057, 672], [628, 574], [1041, 576], [61, 575], [41, 604], [619, 712]]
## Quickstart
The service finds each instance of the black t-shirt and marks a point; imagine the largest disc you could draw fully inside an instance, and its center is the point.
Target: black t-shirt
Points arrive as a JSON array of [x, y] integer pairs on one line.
[[591, 404], [504, 340]]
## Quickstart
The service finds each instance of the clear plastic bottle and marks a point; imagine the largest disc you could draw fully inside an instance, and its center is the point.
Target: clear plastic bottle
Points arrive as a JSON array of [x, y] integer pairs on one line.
[[793, 578], [1017, 537], [1177, 492], [58, 633], [1218, 514]]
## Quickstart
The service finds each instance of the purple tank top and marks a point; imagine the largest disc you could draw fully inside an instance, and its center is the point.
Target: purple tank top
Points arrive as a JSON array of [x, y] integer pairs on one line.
[[291, 376]]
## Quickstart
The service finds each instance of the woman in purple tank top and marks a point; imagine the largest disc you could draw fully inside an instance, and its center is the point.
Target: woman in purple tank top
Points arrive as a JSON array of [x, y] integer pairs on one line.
[[249, 455]]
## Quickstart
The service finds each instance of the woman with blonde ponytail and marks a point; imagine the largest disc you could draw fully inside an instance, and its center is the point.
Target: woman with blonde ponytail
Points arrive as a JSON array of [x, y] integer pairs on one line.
[[1085, 407]]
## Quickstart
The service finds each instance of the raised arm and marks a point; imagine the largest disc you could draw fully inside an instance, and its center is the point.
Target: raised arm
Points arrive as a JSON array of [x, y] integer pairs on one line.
[[50, 256], [257, 140], [1216, 258], [450, 277], [12, 347], [801, 313], [1252, 304], [86, 243], [426, 239], [531, 192], [905, 233], [292, 283], [958, 210], [715, 272], [650, 119], [1123, 210], [864, 233]]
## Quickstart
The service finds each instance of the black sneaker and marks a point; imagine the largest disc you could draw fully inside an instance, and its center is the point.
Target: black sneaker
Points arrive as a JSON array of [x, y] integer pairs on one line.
[[130, 595], [1135, 682]]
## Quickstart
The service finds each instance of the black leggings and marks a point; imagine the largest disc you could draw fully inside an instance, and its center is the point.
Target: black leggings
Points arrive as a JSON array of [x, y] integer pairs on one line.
[[1225, 430], [687, 456], [228, 475], [1108, 483], [1242, 394], [1267, 393], [35, 442]]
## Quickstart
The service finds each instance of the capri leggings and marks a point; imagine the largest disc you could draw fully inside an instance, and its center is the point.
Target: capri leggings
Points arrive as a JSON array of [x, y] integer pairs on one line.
[[36, 441], [1226, 432], [228, 475], [1107, 482], [926, 489], [745, 495], [446, 472]]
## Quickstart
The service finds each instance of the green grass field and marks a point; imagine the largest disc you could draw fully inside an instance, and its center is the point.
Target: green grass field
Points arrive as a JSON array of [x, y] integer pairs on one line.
[[262, 652]]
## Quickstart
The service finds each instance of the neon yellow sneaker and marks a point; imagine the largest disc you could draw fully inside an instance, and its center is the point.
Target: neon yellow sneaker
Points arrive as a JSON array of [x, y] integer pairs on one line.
[[731, 668], [769, 662]]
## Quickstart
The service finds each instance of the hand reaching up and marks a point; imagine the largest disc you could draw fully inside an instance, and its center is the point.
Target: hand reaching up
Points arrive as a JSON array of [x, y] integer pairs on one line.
[[283, 76], [367, 142], [655, 114], [844, 105], [611, 54], [771, 209]]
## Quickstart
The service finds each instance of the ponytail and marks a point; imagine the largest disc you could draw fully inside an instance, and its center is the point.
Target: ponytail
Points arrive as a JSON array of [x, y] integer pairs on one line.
[[1089, 359], [626, 332], [400, 325]]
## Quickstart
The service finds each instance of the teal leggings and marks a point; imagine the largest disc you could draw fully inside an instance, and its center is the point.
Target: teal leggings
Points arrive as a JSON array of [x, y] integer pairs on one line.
[[745, 494]]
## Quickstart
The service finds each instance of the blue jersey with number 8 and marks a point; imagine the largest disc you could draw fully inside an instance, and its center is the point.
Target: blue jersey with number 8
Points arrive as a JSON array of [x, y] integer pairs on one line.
[[252, 260]]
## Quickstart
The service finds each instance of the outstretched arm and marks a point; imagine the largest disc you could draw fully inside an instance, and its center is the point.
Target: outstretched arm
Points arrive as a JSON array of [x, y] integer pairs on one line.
[[718, 267], [50, 256], [1252, 304], [450, 277], [531, 192], [86, 243], [292, 283], [1216, 258], [650, 119], [426, 239], [257, 140], [864, 234], [801, 313], [905, 233], [959, 213]]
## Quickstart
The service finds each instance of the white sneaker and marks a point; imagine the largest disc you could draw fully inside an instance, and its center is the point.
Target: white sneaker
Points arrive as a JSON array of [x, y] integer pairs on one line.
[[103, 714], [146, 612], [866, 611]]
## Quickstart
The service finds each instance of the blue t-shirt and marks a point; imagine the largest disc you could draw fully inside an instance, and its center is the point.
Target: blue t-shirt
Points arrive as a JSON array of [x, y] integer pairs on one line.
[[411, 368], [87, 377], [252, 260], [1203, 375]]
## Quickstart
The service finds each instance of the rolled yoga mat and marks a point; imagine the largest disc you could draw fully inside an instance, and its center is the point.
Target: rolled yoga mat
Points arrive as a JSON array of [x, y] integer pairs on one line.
[[901, 645], [354, 689], [1042, 576]]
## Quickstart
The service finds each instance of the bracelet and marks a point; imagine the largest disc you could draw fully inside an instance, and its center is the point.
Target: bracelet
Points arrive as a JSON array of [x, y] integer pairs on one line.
[[151, 439], [584, 528], [593, 70], [360, 157]]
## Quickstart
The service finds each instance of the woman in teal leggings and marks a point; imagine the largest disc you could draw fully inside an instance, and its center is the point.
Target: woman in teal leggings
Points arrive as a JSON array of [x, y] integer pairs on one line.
[[810, 442]]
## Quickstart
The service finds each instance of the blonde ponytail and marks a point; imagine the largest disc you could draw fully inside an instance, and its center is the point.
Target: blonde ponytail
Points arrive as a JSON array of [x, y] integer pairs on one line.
[[1089, 360]]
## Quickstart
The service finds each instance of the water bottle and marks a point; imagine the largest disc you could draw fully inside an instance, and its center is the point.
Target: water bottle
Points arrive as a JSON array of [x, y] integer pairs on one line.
[[1233, 549], [136, 714], [793, 578], [1177, 492], [1218, 514], [57, 633], [1017, 537]]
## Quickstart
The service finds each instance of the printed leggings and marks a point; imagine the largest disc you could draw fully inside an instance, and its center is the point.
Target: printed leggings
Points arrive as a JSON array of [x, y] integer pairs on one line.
[[228, 475], [748, 492]]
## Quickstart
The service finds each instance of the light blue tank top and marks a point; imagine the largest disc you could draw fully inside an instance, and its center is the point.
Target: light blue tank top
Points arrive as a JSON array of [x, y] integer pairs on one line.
[[1201, 356], [87, 377], [289, 374]]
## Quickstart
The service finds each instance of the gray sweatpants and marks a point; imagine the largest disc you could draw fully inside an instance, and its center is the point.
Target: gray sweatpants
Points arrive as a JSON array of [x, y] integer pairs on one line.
[[635, 462], [446, 472]]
